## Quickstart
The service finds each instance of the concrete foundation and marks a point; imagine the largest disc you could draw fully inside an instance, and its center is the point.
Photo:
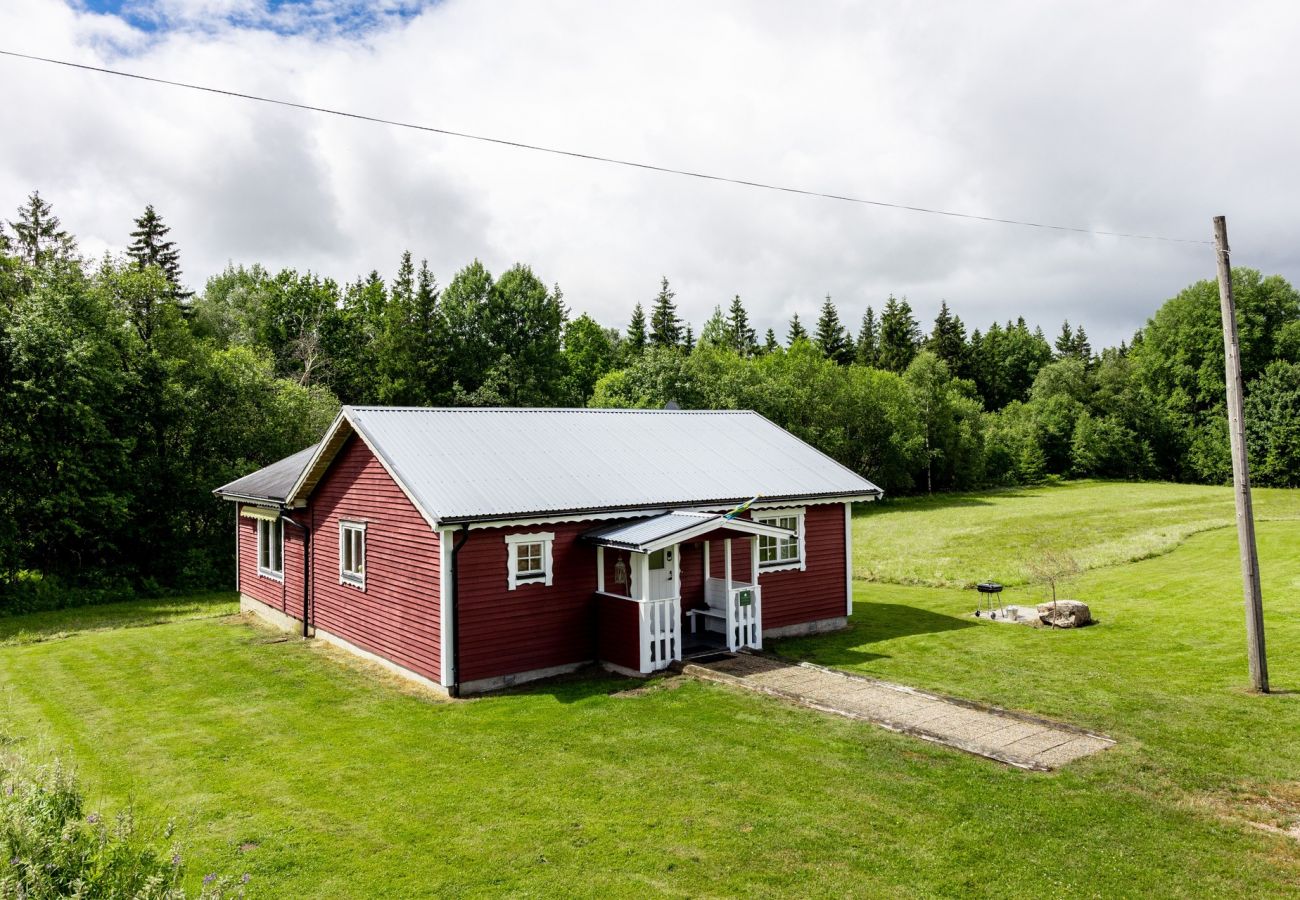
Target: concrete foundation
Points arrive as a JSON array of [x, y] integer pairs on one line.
[[800, 629]]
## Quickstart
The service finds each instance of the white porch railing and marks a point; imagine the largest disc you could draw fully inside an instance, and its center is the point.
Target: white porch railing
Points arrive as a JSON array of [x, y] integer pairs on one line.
[[661, 643], [744, 611]]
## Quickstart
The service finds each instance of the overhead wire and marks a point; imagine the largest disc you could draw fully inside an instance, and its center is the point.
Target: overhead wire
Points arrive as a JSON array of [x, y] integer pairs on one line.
[[594, 157]]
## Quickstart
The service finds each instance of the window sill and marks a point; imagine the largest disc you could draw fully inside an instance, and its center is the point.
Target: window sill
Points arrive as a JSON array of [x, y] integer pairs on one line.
[[269, 575], [359, 584], [524, 582], [780, 567]]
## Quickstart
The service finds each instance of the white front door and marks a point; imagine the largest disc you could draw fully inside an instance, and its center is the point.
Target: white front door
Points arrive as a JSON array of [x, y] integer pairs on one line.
[[662, 571]]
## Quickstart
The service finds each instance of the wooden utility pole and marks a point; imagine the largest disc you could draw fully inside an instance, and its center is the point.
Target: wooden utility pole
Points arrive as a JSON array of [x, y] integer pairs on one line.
[[1240, 466]]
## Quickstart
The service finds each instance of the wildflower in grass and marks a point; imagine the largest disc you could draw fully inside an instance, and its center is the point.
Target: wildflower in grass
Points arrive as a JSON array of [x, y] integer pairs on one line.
[[209, 878], [176, 859], [93, 818]]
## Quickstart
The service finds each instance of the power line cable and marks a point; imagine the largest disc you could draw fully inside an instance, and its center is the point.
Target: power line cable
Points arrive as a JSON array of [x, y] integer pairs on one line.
[[592, 157]]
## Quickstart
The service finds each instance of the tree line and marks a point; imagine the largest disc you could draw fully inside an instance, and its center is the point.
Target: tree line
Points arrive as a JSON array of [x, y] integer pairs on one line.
[[127, 398]]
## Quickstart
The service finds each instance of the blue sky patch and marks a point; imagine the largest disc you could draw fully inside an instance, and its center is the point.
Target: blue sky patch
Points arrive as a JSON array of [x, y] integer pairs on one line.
[[279, 16]]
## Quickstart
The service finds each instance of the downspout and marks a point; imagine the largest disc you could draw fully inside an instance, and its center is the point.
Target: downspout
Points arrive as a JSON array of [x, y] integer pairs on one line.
[[306, 568], [453, 689]]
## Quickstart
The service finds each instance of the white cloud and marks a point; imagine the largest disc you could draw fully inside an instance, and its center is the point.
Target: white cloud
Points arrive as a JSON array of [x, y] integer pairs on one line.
[[1142, 117]]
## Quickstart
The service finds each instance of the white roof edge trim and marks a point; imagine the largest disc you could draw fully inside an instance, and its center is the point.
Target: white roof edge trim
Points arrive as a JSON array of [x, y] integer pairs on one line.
[[344, 415], [292, 494]]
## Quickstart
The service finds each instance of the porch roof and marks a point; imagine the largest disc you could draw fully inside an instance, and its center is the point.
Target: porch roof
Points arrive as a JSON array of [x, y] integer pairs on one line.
[[666, 529]]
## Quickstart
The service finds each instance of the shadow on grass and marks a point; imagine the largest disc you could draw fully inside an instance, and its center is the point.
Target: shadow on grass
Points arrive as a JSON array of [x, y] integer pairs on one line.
[[872, 623]]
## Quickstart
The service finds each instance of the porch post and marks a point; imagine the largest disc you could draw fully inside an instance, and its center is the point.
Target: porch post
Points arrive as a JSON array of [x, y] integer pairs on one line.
[[600, 568], [706, 559], [677, 569], [646, 624], [733, 643], [726, 566], [753, 560]]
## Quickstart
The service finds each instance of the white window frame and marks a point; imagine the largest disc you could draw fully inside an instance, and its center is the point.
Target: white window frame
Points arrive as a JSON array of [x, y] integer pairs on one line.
[[773, 517], [546, 576], [272, 529], [354, 577]]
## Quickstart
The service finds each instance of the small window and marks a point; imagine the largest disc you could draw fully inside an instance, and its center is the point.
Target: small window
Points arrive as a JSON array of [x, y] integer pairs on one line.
[[352, 553], [781, 552], [270, 548], [529, 560]]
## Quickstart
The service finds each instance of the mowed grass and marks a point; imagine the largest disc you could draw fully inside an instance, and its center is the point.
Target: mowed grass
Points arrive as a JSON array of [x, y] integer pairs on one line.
[[321, 778], [957, 540]]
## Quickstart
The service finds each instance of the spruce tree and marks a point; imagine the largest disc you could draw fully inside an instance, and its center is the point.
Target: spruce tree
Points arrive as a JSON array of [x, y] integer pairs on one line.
[[688, 338], [1082, 347], [743, 339], [797, 332], [665, 325], [831, 338], [900, 336], [769, 342], [636, 333], [716, 332], [1065, 341], [948, 341], [38, 233], [150, 247], [867, 349]]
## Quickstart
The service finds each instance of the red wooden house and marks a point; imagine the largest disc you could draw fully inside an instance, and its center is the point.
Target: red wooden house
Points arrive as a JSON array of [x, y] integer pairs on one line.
[[471, 549]]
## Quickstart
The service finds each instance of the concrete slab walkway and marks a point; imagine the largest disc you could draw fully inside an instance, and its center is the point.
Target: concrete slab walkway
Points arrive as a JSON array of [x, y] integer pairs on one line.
[[1013, 738]]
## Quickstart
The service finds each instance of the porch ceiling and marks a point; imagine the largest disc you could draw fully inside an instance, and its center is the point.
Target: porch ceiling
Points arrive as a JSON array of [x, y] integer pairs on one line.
[[664, 530]]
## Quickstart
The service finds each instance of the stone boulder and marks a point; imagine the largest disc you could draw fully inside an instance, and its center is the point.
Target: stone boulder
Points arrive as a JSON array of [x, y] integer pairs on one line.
[[1065, 614]]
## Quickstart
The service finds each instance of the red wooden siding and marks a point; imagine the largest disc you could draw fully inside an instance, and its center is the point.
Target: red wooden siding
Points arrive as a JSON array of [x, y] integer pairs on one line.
[[397, 615], [503, 632], [618, 626], [286, 595], [818, 592]]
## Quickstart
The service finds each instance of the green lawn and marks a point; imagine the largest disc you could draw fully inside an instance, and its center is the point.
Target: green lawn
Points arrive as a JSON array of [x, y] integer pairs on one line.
[[336, 783], [960, 539]]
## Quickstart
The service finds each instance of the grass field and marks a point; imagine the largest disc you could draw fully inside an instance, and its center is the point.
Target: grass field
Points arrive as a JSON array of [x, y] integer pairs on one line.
[[321, 778], [960, 539]]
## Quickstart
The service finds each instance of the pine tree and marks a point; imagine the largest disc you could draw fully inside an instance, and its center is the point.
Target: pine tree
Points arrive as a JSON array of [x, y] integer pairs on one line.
[[38, 233], [743, 339], [797, 332], [831, 338], [150, 247], [769, 342], [900, 336], [688, 339], [867, 349], [665, 325], [948, 341], [636, 333]]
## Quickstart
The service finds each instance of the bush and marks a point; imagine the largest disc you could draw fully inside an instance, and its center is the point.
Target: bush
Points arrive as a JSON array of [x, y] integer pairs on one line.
[[52, 848]]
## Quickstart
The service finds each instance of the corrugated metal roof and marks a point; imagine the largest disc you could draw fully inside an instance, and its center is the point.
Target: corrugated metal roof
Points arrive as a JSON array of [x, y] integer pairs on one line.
[[644, 531], [641, 534], [468, 464], [272, 482]]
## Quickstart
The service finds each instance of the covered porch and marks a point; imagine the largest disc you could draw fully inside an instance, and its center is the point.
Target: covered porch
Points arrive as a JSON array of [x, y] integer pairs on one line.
[[675, 581]]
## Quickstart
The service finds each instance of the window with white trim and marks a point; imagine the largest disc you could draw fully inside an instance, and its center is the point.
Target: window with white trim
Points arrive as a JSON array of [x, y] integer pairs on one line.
[[528, 559], [352, 553], [270, 548], [781, 552]]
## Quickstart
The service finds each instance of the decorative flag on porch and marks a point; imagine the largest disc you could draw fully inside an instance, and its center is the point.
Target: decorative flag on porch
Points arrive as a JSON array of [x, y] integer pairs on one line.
[[742, 507]]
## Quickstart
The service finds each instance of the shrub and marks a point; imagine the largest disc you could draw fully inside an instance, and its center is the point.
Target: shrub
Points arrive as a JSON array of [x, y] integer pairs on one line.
[[52, 848]]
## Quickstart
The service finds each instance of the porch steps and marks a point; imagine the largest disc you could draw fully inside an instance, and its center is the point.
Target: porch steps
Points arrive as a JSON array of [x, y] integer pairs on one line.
[[1016, 739]]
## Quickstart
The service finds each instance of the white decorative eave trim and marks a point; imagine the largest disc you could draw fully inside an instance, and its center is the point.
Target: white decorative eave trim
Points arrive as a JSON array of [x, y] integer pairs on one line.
[[325, 447]]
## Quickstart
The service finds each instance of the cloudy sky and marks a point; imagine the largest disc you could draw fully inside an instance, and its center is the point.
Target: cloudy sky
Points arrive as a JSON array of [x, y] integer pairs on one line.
[[1137, 116]]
